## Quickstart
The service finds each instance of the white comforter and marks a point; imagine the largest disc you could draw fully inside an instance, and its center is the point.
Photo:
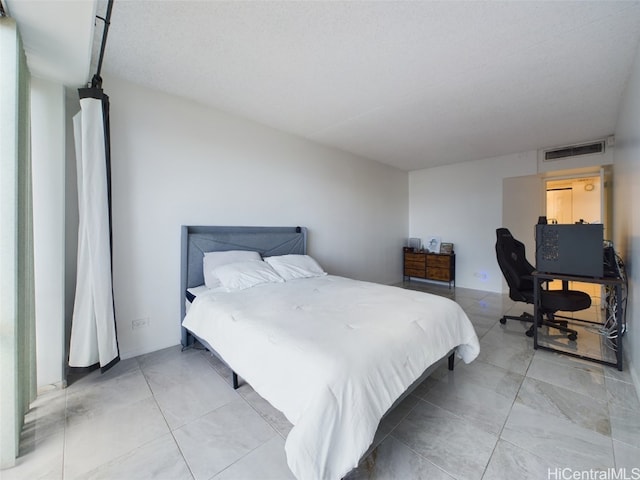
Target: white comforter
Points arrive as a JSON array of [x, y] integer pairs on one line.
[[332, 354]]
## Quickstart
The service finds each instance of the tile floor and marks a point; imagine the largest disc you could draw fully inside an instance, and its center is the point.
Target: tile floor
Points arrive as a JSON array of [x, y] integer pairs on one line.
[[512, 413]]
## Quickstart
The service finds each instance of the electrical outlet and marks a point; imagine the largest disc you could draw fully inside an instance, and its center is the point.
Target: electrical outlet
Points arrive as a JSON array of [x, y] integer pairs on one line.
[[139, 323]]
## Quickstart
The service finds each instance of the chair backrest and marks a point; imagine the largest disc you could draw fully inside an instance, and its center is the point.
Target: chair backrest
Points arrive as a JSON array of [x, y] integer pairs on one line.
[[514, 265]]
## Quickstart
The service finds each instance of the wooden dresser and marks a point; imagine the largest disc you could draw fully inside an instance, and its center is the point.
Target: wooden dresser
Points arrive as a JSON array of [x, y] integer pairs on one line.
[[430, 266]]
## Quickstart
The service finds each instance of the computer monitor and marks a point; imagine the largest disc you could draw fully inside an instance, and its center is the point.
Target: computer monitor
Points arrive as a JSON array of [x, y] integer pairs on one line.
[[575, 249]]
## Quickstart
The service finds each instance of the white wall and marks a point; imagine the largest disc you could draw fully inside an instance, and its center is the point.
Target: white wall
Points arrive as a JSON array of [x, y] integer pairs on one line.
[[462, 203], [626, 215], [176, 162], [48, 176], [522, 204]]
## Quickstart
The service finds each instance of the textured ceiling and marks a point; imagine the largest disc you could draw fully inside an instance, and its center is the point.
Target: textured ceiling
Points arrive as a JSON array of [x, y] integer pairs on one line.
[[410, 84]]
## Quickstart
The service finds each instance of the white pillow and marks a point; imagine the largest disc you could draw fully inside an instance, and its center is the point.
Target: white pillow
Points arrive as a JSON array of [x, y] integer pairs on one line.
[[241, 275], [212, 260], [292, 266]]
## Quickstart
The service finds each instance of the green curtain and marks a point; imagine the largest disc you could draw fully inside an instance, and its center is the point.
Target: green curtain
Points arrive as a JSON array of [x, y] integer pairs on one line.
[[17, 310]]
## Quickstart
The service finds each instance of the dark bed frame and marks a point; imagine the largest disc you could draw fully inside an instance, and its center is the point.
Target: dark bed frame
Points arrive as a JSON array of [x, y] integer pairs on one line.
[[196, 240]]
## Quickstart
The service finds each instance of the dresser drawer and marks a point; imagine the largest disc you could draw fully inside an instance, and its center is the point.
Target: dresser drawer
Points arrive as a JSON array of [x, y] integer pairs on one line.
[[415, 258], [415, 272], [442, 274], [414, 265], [441, 261]]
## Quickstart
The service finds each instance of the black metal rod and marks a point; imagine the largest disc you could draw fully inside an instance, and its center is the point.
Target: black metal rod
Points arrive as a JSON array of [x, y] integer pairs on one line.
[[107, 22]]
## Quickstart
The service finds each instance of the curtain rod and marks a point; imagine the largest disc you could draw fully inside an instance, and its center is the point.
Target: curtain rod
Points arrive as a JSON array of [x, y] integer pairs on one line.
[[96, 82]]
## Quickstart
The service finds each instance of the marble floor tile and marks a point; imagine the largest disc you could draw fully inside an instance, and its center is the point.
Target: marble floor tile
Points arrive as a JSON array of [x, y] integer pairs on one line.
[[96, 377], [394, 416], [481, 323], [422, 389], [511, 334], [175, 357], [488, 309], [510, 462], [272, 415], [266, 462], [578, 380], [99, 398], [512, 356], [580, 409], [622, 394], [627, 456], [569, 361], [102, 438], [172, 368], [556, 439], [394, 460], [452, 443], [159, 459], [486, 375], [193, 396], [42, 460], [625, 425], [472, 293], [391, 420], [220, 367], [482, 406], [623, 376], [213, 442]]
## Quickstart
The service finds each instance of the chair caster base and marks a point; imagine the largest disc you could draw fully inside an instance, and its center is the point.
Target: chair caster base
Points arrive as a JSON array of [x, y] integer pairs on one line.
[[503, 320]]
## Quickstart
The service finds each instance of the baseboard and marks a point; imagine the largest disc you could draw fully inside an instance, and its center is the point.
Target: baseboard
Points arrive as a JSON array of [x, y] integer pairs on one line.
[[43, 389]]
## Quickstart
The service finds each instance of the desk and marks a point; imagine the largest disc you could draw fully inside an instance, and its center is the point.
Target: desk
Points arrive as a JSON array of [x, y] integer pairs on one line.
[[614, 316]]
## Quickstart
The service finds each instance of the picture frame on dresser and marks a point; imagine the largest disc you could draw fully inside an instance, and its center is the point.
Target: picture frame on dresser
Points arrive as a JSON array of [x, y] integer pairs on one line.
[[446, 248]]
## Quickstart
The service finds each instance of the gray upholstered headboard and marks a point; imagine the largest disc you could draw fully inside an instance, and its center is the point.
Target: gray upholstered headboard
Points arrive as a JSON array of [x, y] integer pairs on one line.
[[196, 240]]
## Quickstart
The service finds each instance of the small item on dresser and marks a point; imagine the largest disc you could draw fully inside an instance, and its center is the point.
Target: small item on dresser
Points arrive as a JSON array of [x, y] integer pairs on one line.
[[413, 245], [433, 244], [446, 248]]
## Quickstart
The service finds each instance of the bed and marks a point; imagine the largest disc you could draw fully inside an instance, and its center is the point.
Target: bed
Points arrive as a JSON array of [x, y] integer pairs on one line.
[[332, 354]]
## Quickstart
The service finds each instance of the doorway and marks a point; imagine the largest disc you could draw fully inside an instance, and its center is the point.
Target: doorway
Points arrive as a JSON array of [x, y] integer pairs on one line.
[[578, 200], [574, 200]]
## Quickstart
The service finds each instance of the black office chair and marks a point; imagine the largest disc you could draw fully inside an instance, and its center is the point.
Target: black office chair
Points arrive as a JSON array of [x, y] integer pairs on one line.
[[517, 272]]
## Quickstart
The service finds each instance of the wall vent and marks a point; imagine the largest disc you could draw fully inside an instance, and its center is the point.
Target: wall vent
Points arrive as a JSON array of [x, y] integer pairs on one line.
[[574, 151]]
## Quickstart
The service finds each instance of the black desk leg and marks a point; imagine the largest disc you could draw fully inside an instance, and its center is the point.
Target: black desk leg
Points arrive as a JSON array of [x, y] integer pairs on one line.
[[619, 331], [536, 311]]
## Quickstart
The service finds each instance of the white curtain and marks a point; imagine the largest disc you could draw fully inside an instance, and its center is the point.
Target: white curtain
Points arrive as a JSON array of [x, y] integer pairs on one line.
[[93, 329]]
